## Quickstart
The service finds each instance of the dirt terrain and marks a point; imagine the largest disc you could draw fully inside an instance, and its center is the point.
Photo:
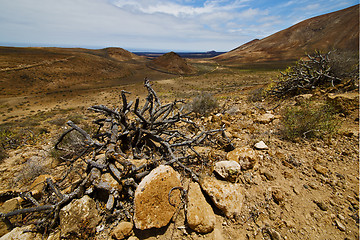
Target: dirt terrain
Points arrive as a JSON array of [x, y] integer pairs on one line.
[[306, 189]]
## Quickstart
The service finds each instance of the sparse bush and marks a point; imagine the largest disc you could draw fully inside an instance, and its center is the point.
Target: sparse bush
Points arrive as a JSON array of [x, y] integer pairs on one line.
[[203, 103], [256, 95], [332, 69], [32, 169], [308, 120]]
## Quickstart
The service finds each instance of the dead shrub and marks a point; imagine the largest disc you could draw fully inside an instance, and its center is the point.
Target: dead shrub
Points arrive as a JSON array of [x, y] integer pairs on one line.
[[332, 70]]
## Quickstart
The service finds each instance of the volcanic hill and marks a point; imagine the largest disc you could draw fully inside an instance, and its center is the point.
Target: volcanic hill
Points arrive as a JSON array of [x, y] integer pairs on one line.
[[39, 70], [172, 63], [336, 30]]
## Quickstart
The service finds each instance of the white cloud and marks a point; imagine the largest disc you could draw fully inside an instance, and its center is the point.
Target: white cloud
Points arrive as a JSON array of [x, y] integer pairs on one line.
[[152, 24]]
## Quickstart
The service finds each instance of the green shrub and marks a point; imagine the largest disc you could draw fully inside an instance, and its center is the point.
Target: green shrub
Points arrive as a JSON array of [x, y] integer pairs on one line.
[[203, 103], [308, 120]]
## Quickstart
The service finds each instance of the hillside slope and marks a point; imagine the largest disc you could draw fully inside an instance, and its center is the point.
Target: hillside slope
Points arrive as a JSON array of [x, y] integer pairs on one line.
[[336, 30], [38, 70]]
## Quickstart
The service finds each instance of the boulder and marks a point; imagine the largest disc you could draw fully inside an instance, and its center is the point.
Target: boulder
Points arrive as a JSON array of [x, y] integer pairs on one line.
[[78, 214], [122, 230], [228, 170], [245, 156], [200, 216], [228, 197], [151, 203]]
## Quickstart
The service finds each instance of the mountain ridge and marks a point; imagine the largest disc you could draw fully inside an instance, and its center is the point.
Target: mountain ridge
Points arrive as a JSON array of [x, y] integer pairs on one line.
[[336, 30]]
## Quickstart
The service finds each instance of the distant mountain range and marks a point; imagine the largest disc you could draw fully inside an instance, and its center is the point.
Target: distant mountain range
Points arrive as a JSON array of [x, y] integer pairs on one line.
[[337, 30]]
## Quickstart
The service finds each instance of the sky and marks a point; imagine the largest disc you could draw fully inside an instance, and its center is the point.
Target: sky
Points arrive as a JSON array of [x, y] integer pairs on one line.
[[152, 25]]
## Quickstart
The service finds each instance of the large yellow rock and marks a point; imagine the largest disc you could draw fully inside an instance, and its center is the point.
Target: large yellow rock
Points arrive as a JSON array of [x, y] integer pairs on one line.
[[152, 207]]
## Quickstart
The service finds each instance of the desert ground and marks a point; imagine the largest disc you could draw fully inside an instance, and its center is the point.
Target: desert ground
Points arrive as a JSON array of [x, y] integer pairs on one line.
[[299, 189]]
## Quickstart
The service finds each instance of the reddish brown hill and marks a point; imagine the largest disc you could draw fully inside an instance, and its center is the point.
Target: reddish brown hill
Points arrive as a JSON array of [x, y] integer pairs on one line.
[[39, 70], [172, 63], [337, 30]]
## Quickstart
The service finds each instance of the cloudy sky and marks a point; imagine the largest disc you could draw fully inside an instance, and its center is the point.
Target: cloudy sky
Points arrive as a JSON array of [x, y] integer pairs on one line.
[[152, 25]]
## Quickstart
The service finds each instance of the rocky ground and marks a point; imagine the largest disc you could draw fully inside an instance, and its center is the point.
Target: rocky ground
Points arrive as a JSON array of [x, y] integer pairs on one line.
[[267, 187]]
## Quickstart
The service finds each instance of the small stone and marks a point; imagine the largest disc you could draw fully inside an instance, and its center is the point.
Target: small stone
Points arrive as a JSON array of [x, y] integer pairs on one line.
[[200, 216], [340, 225], [341, 217], [246, 157], [313, 185], [269, 176], [228, 170], [261, 146], [278, 196], [39, 183], [321, 205], [265, 118], [320, 169], [274, 235], [132, 238], [122, 230]]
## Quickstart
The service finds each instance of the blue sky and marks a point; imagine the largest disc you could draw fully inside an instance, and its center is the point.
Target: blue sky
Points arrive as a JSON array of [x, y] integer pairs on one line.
[[152, 25]]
